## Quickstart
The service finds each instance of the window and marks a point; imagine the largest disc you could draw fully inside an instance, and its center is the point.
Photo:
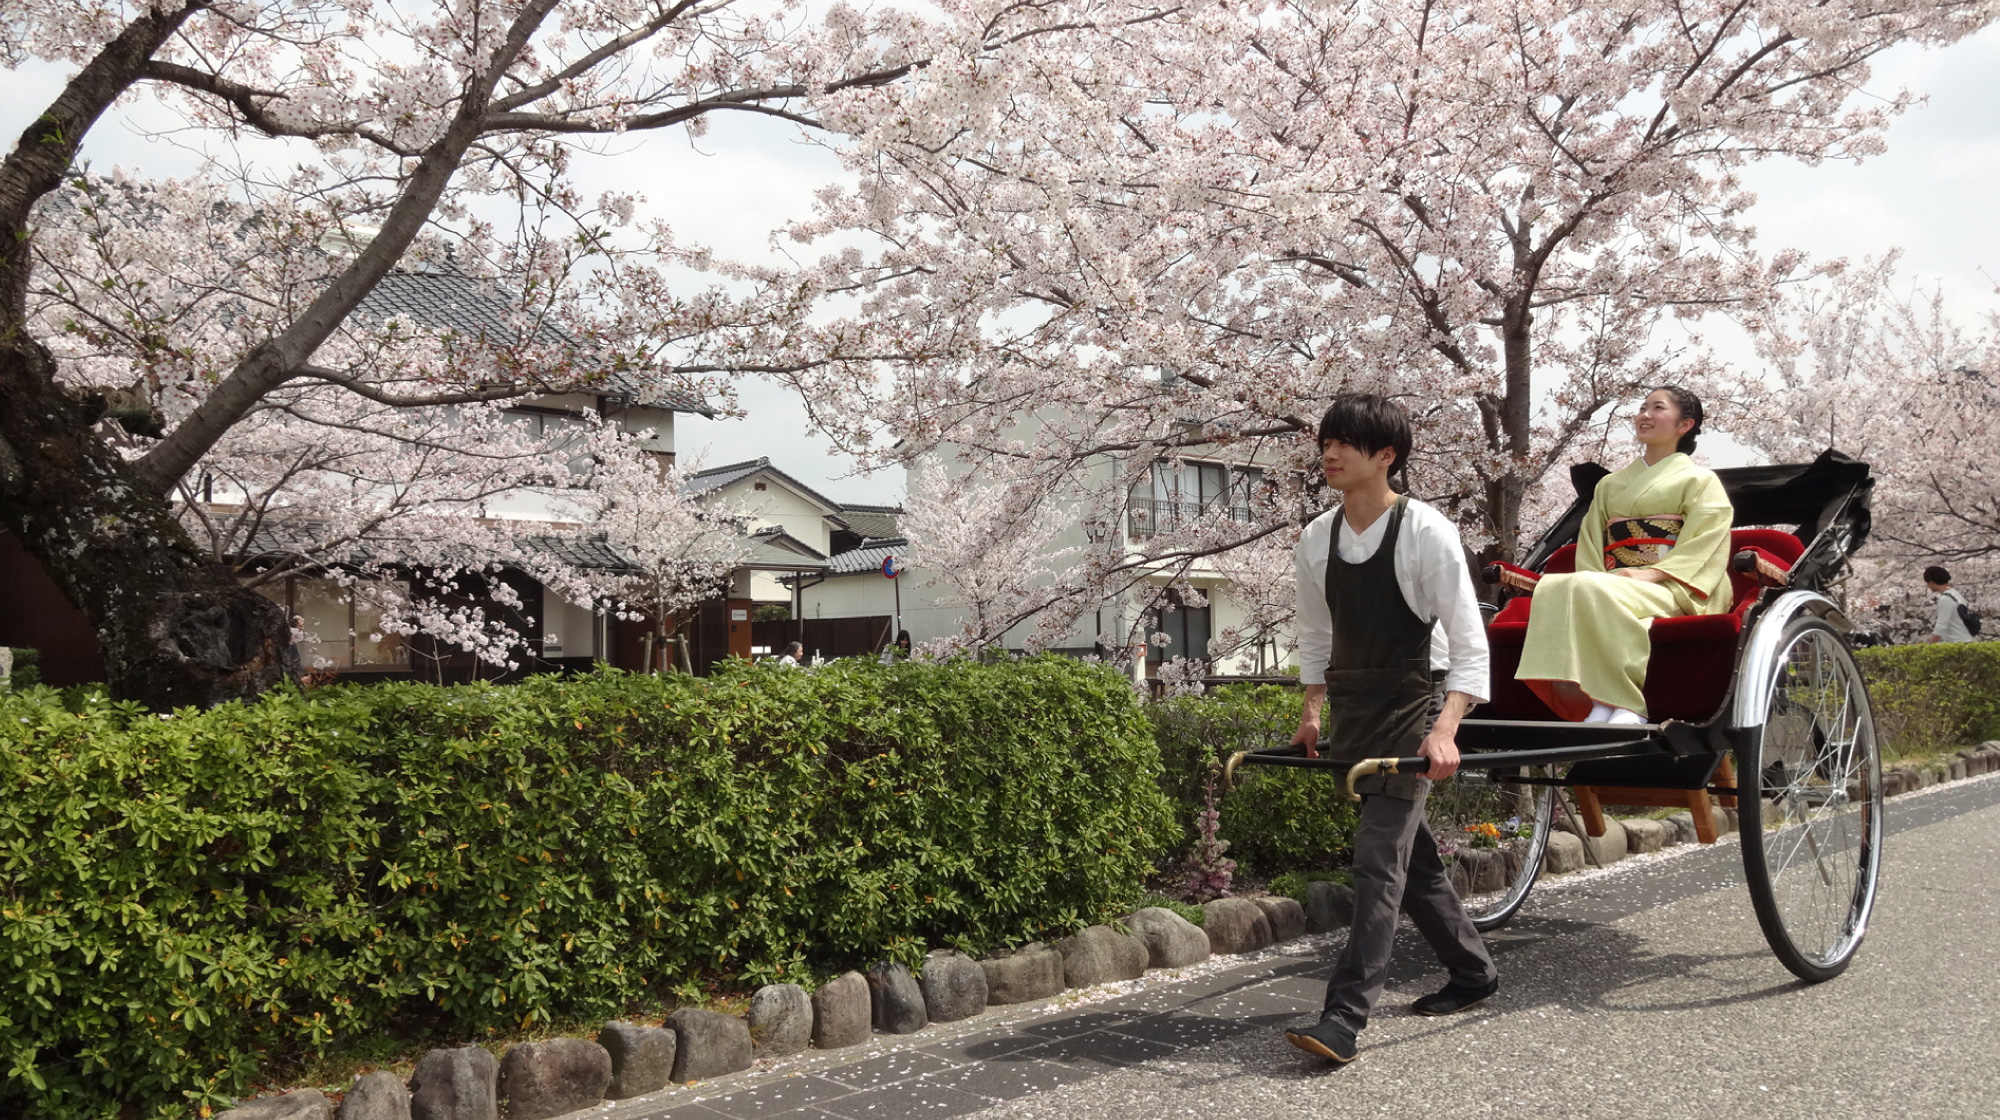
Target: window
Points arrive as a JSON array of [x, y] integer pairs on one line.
[[1187, 630], [343, 626], [1172, 496]]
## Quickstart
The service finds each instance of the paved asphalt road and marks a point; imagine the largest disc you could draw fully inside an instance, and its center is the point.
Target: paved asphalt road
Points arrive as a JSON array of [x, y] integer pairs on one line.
[[1643, 991]]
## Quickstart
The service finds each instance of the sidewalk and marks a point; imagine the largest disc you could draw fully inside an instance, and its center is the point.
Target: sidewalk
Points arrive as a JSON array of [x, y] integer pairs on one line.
[[1010, 1052], [1598, 973]]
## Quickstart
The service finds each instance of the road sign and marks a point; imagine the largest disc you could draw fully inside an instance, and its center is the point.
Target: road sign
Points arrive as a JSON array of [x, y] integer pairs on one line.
[[891, 569]]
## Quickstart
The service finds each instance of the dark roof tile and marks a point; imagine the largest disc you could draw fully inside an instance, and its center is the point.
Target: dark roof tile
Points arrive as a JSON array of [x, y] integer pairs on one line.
[[442, 299]]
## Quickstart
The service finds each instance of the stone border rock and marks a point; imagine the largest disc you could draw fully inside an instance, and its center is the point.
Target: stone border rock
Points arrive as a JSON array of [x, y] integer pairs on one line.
[[468, 1083]]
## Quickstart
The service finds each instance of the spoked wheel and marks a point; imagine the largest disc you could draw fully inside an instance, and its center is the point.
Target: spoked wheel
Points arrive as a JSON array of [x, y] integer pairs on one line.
[[1495, 832], [1812, 834]]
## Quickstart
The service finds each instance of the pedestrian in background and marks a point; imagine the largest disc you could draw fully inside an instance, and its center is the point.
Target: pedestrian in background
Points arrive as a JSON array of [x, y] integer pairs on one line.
[[288, 658], [795, 653], [1951, 608]]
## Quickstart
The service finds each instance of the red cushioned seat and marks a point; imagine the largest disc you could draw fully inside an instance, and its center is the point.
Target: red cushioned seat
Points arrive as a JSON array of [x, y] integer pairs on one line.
[[1693, 657]]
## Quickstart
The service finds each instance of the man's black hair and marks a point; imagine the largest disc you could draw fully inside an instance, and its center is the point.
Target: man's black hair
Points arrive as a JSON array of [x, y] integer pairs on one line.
[[1935, 574], [1368, 422]]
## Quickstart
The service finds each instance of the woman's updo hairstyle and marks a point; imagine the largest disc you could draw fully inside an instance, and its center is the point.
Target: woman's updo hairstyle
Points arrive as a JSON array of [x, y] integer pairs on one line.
[[1690, 409]]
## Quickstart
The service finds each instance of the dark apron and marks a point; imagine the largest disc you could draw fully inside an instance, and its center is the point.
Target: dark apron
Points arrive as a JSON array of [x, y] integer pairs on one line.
[[1380, 693]]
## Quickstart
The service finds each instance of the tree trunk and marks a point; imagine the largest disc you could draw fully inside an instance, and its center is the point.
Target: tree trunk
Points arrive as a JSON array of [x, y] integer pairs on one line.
[[1506, 494], [175, 626]]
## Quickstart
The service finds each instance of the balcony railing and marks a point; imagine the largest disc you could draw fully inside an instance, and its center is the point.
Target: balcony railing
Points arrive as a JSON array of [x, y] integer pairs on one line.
[[1147, 516]]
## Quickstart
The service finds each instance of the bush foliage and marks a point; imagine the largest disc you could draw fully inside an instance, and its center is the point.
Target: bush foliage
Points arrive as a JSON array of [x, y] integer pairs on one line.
[[1933, 697], [27, 668], [189, 899], [1276, 819]]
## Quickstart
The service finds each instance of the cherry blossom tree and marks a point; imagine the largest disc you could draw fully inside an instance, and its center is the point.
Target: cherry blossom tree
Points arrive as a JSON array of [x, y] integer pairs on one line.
[[411, 505], [992, 551], [1892, 372], [1183, 236], [361, 139]]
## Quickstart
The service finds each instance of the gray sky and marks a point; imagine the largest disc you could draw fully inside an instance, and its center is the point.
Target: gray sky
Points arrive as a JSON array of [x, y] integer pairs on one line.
[[1932, 194]]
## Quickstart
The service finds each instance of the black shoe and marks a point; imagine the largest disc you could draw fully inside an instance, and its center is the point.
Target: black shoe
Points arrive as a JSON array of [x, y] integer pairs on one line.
[[1454, 998], [1326, 1038]]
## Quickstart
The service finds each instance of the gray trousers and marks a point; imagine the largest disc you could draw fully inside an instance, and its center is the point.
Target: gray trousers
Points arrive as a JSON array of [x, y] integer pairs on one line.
[[1396, 867]]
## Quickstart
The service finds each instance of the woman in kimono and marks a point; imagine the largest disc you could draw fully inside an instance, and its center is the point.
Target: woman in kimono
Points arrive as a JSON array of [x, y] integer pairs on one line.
[[1655, 544]]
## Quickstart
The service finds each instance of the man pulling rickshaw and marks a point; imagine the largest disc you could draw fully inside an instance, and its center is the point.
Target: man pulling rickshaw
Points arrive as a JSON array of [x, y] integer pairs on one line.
[[1684, 640]]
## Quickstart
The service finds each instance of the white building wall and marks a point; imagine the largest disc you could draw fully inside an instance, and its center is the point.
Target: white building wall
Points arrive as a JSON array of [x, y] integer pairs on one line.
[[868, 594], [777, 505], [855, 596], [567, 629], [538, 505]]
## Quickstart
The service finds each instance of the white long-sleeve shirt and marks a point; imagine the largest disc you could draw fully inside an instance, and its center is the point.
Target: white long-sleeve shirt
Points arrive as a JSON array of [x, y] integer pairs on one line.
[[1430, 571]]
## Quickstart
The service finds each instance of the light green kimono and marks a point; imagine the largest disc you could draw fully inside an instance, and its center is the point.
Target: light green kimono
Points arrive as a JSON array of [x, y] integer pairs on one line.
[[1591, 627]]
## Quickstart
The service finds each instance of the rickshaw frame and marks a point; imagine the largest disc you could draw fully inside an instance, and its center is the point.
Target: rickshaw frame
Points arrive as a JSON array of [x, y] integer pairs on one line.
[[1830, 497]]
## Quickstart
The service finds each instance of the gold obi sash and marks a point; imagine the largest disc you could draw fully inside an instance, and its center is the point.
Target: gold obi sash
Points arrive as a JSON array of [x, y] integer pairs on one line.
[[1640, 542]]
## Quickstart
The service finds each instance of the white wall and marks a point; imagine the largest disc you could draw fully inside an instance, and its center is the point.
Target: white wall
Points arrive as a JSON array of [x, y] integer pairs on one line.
[[801, 517], [532, 505], [781, 506], [855, 596], [869, 594], [575, 626]]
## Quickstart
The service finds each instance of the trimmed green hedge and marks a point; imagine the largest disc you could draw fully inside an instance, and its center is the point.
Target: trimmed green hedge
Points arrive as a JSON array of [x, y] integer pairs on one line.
[[190, 899], [1933, 697], [1276, 819]]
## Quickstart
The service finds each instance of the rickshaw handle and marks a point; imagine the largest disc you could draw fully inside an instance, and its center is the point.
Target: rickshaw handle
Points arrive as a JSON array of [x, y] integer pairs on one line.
[[1371, 766], [1362, 769]]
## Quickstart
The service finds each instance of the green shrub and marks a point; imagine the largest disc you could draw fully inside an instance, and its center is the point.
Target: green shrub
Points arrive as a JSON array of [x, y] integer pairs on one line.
[[1933, 697], [1293, 884], [27, 672], [191, 899], [1276, 819], [1188, 910]]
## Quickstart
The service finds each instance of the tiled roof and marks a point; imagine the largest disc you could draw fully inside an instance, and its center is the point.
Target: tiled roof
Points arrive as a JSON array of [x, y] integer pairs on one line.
[[442, 299], [580, 552], [276, 539], [871, 521], [774, 548], [715, 478], [867, 558]]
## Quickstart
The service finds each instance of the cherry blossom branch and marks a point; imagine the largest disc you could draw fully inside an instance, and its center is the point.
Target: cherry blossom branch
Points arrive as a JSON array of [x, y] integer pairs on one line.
[[277, 360]]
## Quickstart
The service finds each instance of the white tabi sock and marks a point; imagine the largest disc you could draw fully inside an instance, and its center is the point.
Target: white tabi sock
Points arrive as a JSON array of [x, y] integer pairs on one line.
[[1624, 715]]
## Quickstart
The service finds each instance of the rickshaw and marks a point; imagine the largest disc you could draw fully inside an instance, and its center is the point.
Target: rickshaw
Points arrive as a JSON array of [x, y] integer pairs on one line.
[[1760, 711]]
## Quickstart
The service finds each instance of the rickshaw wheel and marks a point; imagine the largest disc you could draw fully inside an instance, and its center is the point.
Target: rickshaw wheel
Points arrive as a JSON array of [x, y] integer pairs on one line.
[[1812, 835], [1465, 812]]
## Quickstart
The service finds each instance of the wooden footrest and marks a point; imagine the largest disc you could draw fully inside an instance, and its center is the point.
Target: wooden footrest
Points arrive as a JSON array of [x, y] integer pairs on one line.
[[1715, 770]]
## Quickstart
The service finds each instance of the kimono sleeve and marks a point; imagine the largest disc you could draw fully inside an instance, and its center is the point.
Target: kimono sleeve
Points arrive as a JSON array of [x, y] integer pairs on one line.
[[1700, 558], [1590, 535]]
